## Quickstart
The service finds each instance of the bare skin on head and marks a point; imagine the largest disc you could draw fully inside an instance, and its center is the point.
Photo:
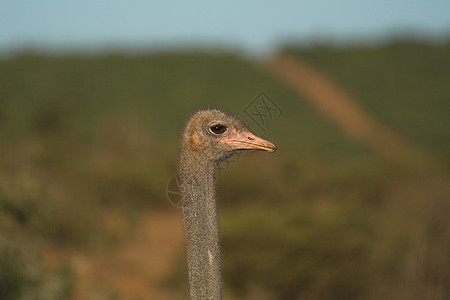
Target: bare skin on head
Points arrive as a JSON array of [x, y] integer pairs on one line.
[[209, 138]]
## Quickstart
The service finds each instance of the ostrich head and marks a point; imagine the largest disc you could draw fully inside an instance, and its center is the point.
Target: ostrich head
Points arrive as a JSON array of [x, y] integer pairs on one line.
[[210, 137], [213, 136]]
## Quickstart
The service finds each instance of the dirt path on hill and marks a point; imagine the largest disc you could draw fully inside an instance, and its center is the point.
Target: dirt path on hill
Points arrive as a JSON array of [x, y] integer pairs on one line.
[[133, 270], [337, 105]]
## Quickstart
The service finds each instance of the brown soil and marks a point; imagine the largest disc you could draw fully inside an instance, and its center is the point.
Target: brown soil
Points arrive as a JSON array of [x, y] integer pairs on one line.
[[134, 270], [337, 105]]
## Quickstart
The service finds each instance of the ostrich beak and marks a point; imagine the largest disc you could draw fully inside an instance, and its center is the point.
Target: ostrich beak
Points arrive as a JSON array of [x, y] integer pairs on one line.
[[248, 141]]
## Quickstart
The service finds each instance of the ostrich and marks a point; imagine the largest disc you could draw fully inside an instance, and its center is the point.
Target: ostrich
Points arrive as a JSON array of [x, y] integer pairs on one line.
[[209, 138]]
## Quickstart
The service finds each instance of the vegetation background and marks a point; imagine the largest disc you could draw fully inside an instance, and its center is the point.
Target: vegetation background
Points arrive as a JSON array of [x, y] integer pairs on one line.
[[88, 144]]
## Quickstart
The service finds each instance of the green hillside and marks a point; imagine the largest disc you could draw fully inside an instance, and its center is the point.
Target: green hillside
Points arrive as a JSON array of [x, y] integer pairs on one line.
[[84, 139], [403, 84]]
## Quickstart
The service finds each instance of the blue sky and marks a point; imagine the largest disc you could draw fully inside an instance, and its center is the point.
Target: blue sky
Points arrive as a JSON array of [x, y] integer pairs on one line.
[[247, 25]]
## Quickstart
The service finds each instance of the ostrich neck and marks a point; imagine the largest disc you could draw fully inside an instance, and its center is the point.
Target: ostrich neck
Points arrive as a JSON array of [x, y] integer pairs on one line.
[[201, 227]]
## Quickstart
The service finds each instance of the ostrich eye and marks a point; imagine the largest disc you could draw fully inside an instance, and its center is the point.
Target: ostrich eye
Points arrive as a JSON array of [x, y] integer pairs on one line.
[[218, 129]]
